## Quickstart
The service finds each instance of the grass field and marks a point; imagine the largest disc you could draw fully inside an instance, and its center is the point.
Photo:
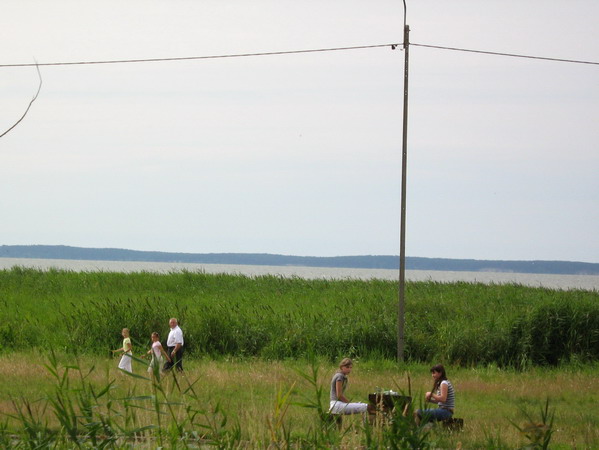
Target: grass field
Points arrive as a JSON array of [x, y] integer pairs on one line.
[[509, 350], [490, 400]]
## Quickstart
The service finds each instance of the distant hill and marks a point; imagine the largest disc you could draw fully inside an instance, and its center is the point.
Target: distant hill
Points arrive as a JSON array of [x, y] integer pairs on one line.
[[265, 259]]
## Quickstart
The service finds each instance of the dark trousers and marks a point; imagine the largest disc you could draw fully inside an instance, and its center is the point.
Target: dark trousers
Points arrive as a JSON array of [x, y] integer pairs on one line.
[[177, 361]]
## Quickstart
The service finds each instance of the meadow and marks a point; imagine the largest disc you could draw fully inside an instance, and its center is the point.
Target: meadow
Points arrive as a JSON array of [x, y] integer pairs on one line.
[[86, 402], [261, 351]]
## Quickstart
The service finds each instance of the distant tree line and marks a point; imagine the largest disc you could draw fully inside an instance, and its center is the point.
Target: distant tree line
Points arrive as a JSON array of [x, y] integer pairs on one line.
[[266, 259]]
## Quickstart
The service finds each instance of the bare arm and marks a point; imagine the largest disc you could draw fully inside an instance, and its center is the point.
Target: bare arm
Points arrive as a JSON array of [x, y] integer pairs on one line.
[[164, 353], [440, 398], [339, 390]]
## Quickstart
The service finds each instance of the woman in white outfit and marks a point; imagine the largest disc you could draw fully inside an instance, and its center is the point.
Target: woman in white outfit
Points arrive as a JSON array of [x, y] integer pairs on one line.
[[339, 402]]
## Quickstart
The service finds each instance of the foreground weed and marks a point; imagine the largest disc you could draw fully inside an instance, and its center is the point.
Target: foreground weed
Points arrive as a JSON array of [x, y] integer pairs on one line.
[[92, 417], [400, 431], [219, 435], [34, 429], [537, 432], [77, 408], [279, 433], [5, 436], [326, 433]]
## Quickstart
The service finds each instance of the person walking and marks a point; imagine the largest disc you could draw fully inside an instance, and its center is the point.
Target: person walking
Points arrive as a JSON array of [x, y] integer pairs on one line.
[[126, 349], [157, 352], [175, 346]]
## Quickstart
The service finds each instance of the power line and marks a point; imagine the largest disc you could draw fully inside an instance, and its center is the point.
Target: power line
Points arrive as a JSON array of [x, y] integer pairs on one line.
[[513, 55], [39, 88], [191, 58], [292, 52]]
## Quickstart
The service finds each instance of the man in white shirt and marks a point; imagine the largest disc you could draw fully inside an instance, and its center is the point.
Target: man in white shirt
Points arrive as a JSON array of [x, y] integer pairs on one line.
[[175, 345]]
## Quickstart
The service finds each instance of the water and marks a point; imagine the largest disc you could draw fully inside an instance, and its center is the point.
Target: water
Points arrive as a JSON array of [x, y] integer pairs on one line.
[[585, 282]]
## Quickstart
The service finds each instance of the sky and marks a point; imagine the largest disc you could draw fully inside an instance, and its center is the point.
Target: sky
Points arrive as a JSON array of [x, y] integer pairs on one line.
[[300, 154]]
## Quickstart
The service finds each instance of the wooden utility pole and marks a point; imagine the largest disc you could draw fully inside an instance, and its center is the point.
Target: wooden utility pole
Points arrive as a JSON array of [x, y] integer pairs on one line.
[[402, 228]]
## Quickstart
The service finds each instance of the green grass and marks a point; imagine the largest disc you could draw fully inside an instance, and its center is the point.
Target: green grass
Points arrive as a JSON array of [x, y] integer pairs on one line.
[[256, 403], [509, 349], [276, 318]]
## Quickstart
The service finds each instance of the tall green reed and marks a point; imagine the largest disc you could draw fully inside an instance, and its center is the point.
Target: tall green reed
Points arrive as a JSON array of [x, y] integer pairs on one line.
[[276, 318]]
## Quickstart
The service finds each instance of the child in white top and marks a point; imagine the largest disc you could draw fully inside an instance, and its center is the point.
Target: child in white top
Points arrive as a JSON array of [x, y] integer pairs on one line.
[[126, 349], [157, 352]]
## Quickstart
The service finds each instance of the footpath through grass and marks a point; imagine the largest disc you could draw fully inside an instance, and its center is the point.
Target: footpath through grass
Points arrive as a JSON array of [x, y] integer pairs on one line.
[[256, 403]]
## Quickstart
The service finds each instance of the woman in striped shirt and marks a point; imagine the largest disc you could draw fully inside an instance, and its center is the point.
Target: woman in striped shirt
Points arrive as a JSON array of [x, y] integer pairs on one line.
[[442, 394]]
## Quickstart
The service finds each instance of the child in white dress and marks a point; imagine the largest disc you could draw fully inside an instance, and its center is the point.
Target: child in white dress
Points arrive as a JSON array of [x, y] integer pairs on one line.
[[126, 349]]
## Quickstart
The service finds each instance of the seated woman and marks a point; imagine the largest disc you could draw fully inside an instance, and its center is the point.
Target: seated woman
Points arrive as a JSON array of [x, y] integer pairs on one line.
[[442, 394], [339, 403]]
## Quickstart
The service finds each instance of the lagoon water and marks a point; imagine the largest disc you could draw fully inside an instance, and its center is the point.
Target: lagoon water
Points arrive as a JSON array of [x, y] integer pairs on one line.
[[585, 282]]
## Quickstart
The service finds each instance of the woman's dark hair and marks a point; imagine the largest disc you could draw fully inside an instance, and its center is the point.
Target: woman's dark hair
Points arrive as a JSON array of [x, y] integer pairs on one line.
[[439, 369]]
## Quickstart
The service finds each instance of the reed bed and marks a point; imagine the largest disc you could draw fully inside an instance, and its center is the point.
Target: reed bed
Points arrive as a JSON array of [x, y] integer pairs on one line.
[[273, 317]]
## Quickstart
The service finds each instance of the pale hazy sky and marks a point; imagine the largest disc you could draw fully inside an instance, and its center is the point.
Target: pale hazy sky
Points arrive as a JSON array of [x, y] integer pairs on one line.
[[301, 154]]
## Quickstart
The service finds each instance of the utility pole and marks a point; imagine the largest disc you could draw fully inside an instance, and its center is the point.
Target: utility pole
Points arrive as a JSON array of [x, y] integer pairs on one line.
[[402, 228]]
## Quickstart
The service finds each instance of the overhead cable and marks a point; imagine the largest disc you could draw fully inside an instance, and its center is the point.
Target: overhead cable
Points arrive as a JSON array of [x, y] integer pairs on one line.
[[191, 58], [39, 88], [292, 52], [513, 55]]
